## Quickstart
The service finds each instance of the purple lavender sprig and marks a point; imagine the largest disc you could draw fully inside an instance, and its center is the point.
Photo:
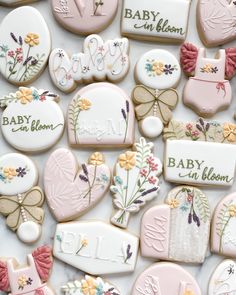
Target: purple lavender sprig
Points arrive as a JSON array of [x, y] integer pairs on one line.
[[149, 191], [85, 169], [128, 253], [83, 178], [14, 37]]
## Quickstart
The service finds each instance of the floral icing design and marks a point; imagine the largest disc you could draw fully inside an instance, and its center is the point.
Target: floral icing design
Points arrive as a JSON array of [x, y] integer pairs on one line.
[[158, 68], [84, 244], [8, 174], [209, 69], [24, 281]]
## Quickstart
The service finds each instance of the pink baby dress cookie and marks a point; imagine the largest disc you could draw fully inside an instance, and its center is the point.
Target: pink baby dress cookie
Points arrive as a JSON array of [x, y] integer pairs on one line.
[[209, 91], [84, 16], [30, 279]]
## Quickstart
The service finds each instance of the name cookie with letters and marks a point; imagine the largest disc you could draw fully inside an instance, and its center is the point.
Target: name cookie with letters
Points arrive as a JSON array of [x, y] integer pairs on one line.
[[99, 61], [193, 149]]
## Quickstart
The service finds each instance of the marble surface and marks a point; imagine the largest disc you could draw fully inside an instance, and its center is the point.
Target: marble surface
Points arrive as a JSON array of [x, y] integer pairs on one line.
[[11, 246]]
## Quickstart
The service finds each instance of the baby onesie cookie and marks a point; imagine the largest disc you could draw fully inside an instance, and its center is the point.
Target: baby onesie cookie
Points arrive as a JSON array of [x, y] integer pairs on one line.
[[95, 247], [223, 237], [193, 149], [166, 278], [71, 190], [223, 279], [178, 231], [84, 16], [162, 20], [29, 279], [135, 182], [208, 91], [24, 50], [99, 61], [94, 285], [101, 114], [31, 121], [158, 72], [20, 199]]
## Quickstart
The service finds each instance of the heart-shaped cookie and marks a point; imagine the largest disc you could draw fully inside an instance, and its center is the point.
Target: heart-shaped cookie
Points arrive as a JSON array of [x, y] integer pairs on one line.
[[72, 190]]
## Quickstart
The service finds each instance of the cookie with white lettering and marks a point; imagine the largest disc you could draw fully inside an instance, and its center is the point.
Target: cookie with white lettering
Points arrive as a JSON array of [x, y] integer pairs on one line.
[[185, 217], [84, 16], [162, 20], [31, 121], [193, 149], [24, 46], [87, 246], [99, 61]]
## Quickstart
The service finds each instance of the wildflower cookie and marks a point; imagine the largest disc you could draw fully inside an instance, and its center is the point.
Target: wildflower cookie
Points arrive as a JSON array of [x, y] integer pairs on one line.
[[20, 199], [99, 61], [110, 125], [208, 90], [166, 278], [87, 246], [135, 182], [71, 190], [179, 230], [24, 49], [31, 121], [84, 16], [29, 279]]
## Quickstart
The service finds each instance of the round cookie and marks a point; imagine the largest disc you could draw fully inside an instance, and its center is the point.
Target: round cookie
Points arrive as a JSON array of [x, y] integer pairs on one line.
[[84, 16]]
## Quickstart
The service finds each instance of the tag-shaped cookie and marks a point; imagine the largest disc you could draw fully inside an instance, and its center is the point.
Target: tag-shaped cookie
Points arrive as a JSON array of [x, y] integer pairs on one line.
[[166, 278], [87, 246], [72, 190], [101, 114], [31, 121], [223, 237], [20, 199], [99, 61], [186, 217], [24, 49], [136, 181]]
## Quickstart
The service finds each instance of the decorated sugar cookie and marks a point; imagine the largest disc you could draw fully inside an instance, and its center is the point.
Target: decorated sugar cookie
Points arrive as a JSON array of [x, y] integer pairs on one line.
[[186, 217], [84, 16], [87, 246], [193, 149], [101, 114], [208, 91], [157, 71], [166, 278], [99, 61], [71, 189], [135, 182], [14, 2], [29, 279], [20, 199], [24, 49], [31, 121], [163, 20], [223, 237], [95, 285]]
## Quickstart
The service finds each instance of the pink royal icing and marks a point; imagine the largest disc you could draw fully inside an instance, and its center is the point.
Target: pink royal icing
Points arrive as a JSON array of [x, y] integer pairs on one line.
[[4, 282]]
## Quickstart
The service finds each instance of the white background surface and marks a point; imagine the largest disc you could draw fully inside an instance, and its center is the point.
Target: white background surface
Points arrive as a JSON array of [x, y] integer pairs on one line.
[[11, 246]]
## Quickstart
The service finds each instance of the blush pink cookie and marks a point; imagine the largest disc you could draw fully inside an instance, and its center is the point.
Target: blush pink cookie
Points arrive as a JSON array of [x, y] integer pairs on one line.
[[84, 16], [209, 90], [166, 279]]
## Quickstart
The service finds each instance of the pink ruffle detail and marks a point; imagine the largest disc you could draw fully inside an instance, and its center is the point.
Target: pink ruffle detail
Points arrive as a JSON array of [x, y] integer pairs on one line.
[[43, 261], [188, 57], [4, 282], [230, 64]]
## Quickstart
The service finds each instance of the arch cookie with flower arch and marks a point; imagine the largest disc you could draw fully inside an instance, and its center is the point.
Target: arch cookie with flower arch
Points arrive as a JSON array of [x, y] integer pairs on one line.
[[185, 217], [135, 182], [71, 190], [24, 50], [193, 149]]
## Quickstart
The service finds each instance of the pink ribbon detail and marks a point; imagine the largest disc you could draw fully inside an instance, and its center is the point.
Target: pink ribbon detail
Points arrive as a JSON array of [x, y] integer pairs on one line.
[[221, 86], [39, 292]]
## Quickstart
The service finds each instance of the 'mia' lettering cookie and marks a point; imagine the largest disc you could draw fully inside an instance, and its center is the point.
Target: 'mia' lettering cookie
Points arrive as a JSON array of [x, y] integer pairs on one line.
[[193, 149], [31, 121], [84, 16], [71, 190], [99, 61], [165, 278], [209, 91], [20, 199], [162, 20], [24, 46], [29, 279], [136, 181], [95, 247], [178, 231]]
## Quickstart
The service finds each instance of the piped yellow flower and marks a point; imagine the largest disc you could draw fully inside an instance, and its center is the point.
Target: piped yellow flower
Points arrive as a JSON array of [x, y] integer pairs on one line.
[[188, 292], [158, 67], [89, 286], [232, 211], [207, 68], [127, 160], [84, 104], [173, 203], [96, 159], [84, 242], [230, 132], [9, 173], [24, 95], [22, 281], [32, 39]]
